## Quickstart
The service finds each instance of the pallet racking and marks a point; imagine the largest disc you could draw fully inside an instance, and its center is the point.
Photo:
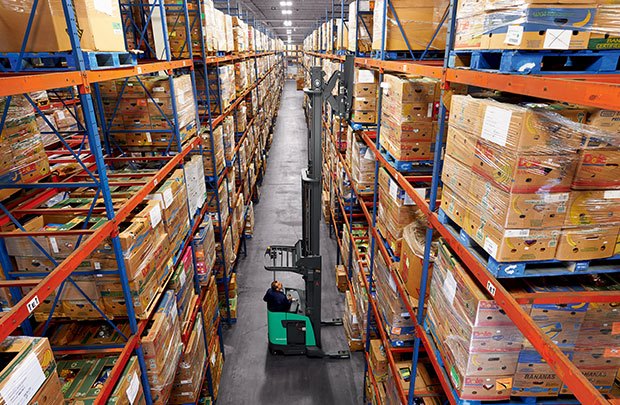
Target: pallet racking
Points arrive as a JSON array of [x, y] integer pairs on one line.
[[592, 90], [92, 149]]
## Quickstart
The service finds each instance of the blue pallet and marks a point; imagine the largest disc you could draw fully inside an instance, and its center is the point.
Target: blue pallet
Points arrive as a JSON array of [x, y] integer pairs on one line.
[[54, 61], [417, 166], [432, 338], [538, 62], [538, 268], [407, 55]]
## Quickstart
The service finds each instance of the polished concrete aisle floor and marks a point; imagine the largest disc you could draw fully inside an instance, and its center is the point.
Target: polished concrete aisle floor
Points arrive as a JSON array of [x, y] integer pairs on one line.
[[251, 375]]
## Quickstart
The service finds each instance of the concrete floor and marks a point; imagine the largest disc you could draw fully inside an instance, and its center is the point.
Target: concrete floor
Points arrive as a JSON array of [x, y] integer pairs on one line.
[[251, 375]]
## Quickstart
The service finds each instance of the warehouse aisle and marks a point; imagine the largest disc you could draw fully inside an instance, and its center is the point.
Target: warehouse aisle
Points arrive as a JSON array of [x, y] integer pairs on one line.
[[251, 375]]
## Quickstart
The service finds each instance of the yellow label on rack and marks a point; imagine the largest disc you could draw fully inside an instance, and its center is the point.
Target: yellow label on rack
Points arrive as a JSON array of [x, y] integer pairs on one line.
[[503, 384]]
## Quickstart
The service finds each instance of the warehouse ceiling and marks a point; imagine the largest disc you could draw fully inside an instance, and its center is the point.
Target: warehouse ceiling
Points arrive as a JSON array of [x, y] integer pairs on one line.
[[304, 14]]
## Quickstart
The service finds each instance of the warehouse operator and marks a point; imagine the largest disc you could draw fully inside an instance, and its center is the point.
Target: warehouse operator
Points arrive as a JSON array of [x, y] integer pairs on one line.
[[275, 298]]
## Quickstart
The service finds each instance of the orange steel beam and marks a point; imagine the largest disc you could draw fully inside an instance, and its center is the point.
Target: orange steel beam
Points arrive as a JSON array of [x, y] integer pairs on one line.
[[95, 76], [26, 83], [588, 93]]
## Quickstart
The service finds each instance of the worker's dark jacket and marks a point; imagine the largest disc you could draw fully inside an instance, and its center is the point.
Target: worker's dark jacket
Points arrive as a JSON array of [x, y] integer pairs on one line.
[[276, 301]]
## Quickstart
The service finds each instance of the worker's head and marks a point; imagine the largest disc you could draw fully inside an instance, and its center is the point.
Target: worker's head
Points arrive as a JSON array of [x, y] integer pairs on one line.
[[276, 285]]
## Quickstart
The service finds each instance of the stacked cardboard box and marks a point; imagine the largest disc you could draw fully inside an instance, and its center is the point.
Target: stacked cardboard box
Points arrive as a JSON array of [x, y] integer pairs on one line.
[[364, 30], [214, 156], [101, 28], [22, 156], [221, 87], [228, 137], [249, 221], [533, 25], [408, 117], [232, 297], [352, 328], [222, 194], [242, 70], [189, 375], [29, 372], [479, 344], [508, 175], [424, 382], [216, 360], [195, 183], [83, 379], [410, 26], [241, 117], [397, 321], [364, 108], [482, 347], [410, 266], [240, 35], [362, 165], [396, 210], [204, 249], [146, 259], [210, 308], [162, 348], [182, 284], [172, 198], [140, 105]]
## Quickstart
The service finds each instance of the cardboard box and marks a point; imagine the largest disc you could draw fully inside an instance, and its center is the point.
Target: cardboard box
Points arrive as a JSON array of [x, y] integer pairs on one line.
[[378, 360], [523, 172], [419, 23], [515, 210], [364, 117], [28, 365], [128, 390], [341, 278], [537, 27], [587, 243], [410, 265], [593, 207], [539, 129], [597, 169], [534, 377], [100, 27]]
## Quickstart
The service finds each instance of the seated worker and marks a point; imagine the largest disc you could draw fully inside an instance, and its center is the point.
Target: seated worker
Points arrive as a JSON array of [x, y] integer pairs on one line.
[[275, 298]]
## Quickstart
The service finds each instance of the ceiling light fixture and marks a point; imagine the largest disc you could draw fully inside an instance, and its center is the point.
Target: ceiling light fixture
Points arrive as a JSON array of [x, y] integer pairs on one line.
[[287, 12], [286, 3], [288, 23]]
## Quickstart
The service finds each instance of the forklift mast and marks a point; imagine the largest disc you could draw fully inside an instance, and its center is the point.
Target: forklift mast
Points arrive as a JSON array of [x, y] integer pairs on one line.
[[305, 257]]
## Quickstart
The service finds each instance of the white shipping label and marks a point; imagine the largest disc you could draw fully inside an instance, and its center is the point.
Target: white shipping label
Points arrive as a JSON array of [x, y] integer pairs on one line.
[[182, 278], [393, 189], [392, 284], [54, 244], [429, 110], [60, 114], [155, 215], [148, 137], [97, 265], [490, 247], [514, 35], [517, 233], [555, 197], [449, 287], [134, 387], [159, 89], [368, 155], [168, 198], [104, 6], [557, 39], [365, 76], [611, 194], [24, 382], [496, 124]]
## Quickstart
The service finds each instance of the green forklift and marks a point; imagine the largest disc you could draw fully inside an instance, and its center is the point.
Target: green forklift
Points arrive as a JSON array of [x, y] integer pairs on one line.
[[298, 331]]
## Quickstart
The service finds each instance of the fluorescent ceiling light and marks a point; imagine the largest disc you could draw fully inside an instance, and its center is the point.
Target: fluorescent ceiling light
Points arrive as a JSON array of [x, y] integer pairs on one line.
[[289, 32], [285, 12], [286, 3], [288, 23]]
